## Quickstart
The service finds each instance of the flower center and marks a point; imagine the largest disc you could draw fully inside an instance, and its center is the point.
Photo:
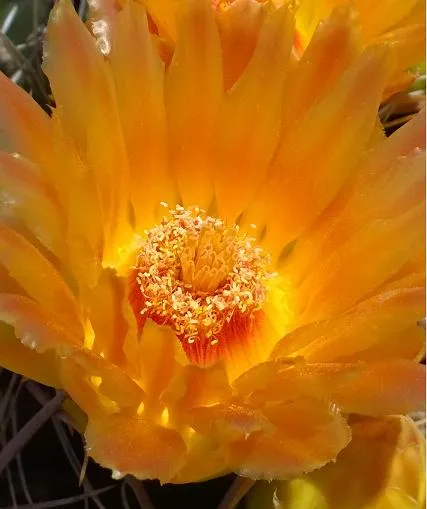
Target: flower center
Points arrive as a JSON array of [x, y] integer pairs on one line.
[[199, 276]]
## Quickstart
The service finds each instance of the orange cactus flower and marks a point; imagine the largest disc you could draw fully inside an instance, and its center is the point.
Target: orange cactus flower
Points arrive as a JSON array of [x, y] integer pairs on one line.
[[382, 468], [219, 276]]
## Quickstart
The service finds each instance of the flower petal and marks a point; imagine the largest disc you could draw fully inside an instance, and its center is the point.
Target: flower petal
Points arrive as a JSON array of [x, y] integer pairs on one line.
[[308, 435], [382, 467], [293, 197], [337, 36], [239, 23], [228, 422], [396, 386], [204, 459], [160, 356], [284, 381], [195, 71], [100, 376], [20, 359], [371, 331], [196, 386], [107, 318], [38, 278], [164, 13], [35, 326], [25, 124], [242, 123], [335, 45], [88, 92], [383, 388], [29, 131], [408, 45], [132, 445], [27, 196], [85, 239], [393, 168], [140, 98], [278, 441], [336, 287], [381, 17], [82, 391]]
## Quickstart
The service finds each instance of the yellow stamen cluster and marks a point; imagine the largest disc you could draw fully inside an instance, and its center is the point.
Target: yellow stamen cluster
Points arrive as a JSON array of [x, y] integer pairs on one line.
[[195, 273]]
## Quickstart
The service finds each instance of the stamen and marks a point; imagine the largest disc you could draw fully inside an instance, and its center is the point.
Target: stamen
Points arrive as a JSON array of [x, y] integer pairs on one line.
[[195, 273]]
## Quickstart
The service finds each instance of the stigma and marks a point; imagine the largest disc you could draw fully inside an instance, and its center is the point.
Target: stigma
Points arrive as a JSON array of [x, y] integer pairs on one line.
[[201, 277]]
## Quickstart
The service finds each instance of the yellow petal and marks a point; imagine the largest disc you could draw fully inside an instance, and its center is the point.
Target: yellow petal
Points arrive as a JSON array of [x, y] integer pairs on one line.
[[20, 359], [358, 207], [204, 459], [372, 330], [239, 23], [402, 24], [101, 377], [242, 123], [25, 124], [38, 278], [196, 72], [195, 386], [278, 441], [408, 44], [140, 98], [394, 169], [229, 422], [160, 356], [382, 468], [335, 45], [332, 287], [399, 385], [132, 445], [29, 131], [293, 197], [107, 318], [88, 92], [381, 17], [34, 325], [29, 197], [383, 388], [85, 239], [284, 380], [164, 13], [308, 435], [412, 274], [81, 389], [337, 36]]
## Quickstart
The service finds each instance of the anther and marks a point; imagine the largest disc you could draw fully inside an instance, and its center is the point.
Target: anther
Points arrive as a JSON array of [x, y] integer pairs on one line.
[[195, 273]]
